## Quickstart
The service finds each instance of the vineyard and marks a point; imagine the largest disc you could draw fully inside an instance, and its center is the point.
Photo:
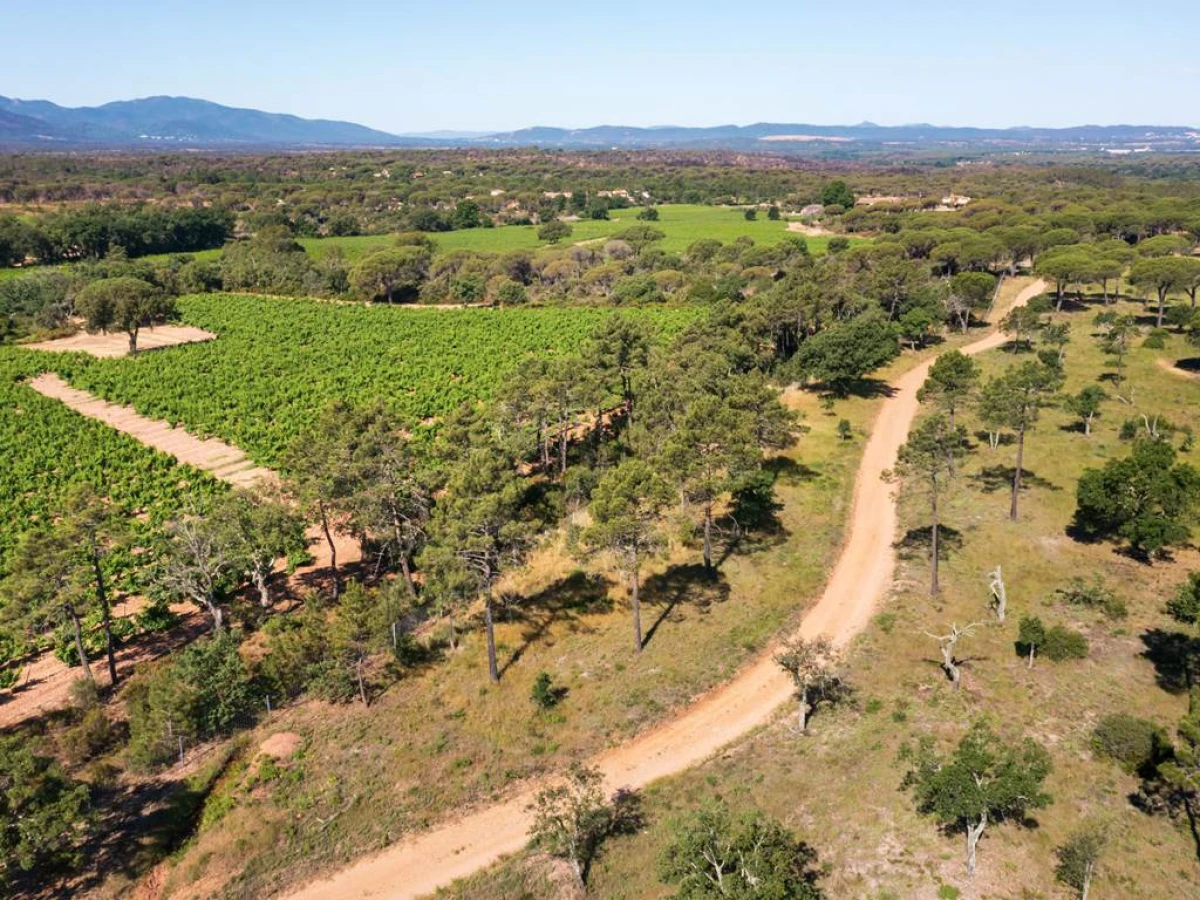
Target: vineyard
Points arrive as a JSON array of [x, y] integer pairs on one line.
[[47, 449], [277, 362]]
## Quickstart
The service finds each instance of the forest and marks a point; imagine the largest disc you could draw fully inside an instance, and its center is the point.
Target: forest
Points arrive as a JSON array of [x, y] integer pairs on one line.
[[526, 499]]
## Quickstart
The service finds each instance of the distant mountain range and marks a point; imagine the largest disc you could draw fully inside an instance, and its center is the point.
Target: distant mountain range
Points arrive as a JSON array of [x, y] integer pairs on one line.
[[186, 122], [178, 121]]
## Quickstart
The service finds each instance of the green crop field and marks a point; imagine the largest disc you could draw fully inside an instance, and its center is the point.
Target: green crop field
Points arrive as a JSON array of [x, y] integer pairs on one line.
[[276, 362], [47, 448], [682, 225]]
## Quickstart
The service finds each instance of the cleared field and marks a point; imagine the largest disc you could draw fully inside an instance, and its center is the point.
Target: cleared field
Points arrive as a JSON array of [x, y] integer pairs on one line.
[[114, 344], [277, 362]]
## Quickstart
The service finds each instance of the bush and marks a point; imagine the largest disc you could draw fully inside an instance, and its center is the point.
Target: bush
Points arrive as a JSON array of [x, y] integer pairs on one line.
[[1135, 744], [1094, 595], [204, 691], [92, 736], [1061, 643], [543, 694]]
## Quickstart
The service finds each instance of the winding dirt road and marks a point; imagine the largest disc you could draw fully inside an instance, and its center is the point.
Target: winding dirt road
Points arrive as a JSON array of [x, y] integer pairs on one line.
[[863, 573]]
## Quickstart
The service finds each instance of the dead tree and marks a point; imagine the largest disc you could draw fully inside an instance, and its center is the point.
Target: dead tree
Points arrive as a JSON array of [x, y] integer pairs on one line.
[[947, 644], [999, 595]]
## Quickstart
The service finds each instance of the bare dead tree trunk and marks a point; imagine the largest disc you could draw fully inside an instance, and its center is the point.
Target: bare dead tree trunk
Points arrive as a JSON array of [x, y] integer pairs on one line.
[[974, 833], [999, 595]]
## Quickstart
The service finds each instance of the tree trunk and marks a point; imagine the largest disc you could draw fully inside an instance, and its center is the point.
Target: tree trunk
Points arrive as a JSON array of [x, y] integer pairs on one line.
[[493, 669], [1162, 302], [974, 833], [333, 566], [1029, 662], [708, 523], [802, 712], [577, 868], [634, 587], [562, 448], [1087, 426], [1087, 881], [79, 648], [214, 610], [102, 597], [406, 571], [261, 575], [362, 687], [933, 583], [133, 334], [1016, 485]]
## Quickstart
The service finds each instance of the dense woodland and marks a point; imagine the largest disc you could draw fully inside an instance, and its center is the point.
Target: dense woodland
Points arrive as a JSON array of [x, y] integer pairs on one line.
[[656, 432]]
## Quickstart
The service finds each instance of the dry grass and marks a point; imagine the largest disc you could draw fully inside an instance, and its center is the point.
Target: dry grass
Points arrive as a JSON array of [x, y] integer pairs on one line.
[[839, 788], [443, 737]]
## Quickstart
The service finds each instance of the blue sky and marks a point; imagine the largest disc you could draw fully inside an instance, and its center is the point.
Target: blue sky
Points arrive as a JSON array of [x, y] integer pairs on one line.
[[455, 64]]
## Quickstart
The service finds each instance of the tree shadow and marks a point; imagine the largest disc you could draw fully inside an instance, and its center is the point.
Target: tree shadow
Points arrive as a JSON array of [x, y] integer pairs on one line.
[[568, 600], [691, 583], [1191, 364], [1000, 477], [917, 542], [1006, 439], [865, 388], [1175, 657], [785, 470]]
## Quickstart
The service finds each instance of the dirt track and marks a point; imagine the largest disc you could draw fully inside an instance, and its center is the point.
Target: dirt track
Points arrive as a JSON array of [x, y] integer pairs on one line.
[[860, 579], [222, 460], [117, 343]]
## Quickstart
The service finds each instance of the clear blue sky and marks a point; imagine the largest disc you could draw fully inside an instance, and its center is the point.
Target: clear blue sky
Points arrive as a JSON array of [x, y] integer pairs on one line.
[[503, 64]]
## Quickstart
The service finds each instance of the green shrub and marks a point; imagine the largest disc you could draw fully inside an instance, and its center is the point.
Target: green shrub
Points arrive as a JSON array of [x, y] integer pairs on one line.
[[1061, 643], [1094, 595], [204, 691], [1156, 339], [1135, 744], [544, 695]]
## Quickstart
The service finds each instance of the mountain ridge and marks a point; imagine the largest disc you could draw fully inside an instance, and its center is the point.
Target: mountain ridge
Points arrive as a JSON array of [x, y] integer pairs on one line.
[[189, 122]]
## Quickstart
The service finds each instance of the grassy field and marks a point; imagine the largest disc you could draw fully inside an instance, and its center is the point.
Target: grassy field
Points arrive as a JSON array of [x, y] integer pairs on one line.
[[682, 225], [839, 787]]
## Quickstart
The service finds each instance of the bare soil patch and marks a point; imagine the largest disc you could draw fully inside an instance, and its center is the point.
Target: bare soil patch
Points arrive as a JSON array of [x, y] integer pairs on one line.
[[810, 230], [110, 345]]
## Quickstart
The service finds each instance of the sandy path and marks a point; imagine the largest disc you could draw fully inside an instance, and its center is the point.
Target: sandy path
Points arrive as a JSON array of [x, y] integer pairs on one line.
[[1164, 363], [117, 344], [859, 580], [222, 460]]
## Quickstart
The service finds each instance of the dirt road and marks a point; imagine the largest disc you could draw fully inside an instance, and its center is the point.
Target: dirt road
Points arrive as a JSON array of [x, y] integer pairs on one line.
[[859, 580]]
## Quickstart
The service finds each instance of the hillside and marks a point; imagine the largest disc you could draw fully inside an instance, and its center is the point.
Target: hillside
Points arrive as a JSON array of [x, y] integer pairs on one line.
[[176, 121]]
